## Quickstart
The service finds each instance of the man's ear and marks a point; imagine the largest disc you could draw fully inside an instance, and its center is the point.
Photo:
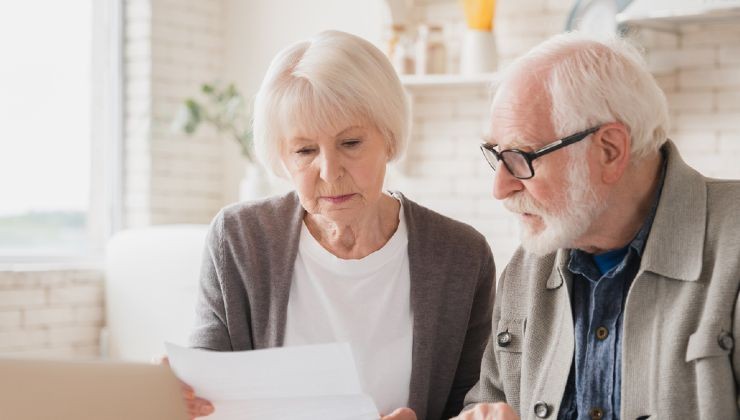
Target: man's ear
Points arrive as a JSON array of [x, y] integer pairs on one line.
[[614, 146]]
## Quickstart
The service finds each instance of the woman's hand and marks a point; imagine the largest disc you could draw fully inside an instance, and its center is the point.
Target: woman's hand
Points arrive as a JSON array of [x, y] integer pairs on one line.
[[197, 407], [401, 414], [485, 411]]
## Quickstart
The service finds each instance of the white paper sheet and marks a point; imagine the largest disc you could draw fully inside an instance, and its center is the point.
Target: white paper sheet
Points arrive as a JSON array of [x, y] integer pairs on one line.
[[304, 382]]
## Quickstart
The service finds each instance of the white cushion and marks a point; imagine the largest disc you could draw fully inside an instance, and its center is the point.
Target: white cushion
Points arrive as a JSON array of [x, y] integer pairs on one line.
[[151, 285]]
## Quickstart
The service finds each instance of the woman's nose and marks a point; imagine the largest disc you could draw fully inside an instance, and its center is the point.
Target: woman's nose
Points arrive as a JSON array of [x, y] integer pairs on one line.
[[330, 166]]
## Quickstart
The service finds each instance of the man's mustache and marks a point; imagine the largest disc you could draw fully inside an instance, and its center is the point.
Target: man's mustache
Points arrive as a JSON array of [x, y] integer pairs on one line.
[[522, 203]]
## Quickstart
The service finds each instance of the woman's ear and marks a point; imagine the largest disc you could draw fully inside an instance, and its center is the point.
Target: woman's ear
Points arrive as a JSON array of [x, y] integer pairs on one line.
[[613, 144], [389, 150]]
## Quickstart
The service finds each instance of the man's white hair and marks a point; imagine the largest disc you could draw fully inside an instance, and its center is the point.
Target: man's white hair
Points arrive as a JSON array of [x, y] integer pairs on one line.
[[593, 81], [330, 81]]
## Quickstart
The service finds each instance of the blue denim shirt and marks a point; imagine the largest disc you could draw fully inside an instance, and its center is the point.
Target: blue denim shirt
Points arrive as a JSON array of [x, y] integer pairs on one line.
[[593, 390]]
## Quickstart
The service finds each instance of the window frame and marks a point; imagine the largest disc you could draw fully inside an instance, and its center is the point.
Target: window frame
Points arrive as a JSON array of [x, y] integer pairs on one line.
[[106, 133]]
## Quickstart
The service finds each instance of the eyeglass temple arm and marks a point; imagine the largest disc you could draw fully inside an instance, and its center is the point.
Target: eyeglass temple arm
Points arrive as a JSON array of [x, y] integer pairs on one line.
[[559, 144]]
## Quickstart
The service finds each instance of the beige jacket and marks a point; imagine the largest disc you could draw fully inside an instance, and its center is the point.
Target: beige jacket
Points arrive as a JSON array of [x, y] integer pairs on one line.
[[678, 356]]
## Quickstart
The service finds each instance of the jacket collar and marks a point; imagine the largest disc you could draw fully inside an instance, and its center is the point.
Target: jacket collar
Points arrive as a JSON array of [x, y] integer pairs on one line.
[[561, 272], [675, 246]]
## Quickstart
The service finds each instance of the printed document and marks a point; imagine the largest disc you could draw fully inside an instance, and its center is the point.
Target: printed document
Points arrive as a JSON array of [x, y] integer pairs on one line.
[[303, 382]]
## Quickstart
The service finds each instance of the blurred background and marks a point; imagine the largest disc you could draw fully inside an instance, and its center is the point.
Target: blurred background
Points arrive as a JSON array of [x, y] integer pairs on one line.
[[125, 128]]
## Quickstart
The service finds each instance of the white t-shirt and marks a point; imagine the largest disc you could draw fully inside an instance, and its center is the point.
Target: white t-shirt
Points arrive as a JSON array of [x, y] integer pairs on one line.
[[364, 302]]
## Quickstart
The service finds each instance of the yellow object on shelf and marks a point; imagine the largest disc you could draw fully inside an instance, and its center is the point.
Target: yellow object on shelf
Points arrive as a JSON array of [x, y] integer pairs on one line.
[[479, 14]]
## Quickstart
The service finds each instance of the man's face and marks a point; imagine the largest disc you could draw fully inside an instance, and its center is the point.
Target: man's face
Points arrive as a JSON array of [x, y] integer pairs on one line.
[[558, 205]]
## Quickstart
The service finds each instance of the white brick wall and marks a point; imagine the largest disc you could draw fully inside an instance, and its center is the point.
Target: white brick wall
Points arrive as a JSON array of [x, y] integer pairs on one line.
[[51, 313], [522, 24], [172, 47], [699, 69]]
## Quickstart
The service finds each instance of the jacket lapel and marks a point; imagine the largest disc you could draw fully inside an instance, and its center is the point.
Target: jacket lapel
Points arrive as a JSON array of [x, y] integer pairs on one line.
[[674, 251], [675, 246], [551, 320]]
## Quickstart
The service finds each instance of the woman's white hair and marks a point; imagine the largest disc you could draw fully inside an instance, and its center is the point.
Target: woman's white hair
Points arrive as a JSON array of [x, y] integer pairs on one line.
[[330, 81], [594, 81]]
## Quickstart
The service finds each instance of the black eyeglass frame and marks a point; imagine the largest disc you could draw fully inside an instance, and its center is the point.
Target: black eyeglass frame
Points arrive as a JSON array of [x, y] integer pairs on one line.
[[531, 156]]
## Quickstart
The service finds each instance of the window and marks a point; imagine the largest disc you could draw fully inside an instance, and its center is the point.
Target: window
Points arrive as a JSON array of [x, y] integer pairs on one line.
[[59, 116]]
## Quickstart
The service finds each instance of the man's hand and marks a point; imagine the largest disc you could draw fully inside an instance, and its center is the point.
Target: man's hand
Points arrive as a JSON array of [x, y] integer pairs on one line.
[[401, 414], [495, 411]]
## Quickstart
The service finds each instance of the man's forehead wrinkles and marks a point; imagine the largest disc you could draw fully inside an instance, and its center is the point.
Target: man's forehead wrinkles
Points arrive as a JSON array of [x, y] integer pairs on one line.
[[519, 137]]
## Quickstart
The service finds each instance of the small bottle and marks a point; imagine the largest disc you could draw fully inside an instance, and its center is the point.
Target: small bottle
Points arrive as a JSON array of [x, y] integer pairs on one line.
[[421, 49], [436, 51], [393, 39], [402, 58], [453, 43]]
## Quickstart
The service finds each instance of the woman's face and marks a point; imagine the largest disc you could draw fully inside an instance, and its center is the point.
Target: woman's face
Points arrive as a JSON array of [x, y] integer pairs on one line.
[[338, 173]]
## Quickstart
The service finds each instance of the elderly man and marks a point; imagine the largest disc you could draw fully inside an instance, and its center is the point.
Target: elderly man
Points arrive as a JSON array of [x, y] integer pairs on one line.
[[621, 301]]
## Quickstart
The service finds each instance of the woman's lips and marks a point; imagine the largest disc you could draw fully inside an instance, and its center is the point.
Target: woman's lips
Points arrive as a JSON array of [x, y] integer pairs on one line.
[[338, 199]]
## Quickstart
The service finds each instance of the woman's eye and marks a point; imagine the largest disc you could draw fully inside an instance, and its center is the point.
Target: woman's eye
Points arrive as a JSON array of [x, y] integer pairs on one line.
[[304, 151], [351, 143]]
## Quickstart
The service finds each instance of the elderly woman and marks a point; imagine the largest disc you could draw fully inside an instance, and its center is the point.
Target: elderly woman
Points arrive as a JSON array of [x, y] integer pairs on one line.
[[339, 258]]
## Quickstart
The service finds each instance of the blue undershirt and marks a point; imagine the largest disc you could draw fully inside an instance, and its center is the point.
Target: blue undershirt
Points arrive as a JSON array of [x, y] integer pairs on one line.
[[608, 260]]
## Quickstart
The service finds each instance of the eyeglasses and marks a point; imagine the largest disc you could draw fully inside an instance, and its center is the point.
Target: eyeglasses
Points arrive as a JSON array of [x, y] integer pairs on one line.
[[519, 163]]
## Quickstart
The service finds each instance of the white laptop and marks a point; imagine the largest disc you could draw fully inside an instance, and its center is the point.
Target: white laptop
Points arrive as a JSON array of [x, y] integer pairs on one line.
[[66, 390]]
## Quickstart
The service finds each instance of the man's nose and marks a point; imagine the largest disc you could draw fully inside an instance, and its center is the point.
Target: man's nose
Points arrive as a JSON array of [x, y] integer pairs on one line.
[[504, 183]]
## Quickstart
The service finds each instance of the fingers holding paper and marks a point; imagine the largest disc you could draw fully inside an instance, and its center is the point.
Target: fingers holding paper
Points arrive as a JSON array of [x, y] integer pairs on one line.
[[495, 411], [401, 414], [197, 407]]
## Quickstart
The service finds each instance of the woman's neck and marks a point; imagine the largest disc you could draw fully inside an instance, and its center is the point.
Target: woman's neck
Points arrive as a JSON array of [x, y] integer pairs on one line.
[[357, 238]]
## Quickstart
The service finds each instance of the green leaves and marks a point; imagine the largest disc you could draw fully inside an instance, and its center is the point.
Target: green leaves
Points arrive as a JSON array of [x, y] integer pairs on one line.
[[194, 113], [224, 108]]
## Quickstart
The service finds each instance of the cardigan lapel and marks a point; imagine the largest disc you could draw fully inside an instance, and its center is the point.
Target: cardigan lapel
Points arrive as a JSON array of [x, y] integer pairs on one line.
[[421, 291], [285, 246], [422, 298]]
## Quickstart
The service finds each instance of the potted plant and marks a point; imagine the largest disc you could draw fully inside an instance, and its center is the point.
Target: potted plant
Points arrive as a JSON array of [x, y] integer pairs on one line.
[[224, 108]]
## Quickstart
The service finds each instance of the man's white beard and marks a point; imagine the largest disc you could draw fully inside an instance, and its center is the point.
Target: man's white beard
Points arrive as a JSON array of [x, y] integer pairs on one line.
[[560, 230]]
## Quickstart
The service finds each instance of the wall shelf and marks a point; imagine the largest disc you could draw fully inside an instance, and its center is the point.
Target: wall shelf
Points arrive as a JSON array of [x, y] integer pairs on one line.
[[676, 23], [412, 81], [674, 19]]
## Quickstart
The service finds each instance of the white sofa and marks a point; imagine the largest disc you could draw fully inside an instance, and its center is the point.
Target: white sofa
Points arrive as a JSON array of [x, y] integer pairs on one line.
[[151, 285]]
